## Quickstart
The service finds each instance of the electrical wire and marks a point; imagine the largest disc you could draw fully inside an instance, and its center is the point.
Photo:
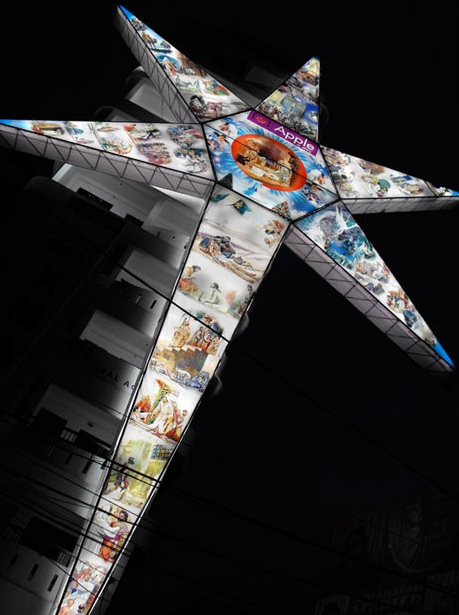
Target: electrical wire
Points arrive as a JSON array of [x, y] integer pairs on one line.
[[180, 494], [142, 478]]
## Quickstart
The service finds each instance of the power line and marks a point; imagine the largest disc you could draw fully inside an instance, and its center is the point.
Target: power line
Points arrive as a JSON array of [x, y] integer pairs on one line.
[[182, 495], [138, 476]]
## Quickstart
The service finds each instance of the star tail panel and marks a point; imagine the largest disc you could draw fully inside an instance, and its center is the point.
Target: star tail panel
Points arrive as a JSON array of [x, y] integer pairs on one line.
[[334, 245], [230, 254], [295, 103], [169, 156], [187, 90], [367, 187]]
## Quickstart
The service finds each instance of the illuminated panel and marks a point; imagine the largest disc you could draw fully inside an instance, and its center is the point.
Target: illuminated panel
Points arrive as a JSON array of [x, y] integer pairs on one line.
[[189, 92], [171, 156], [367, 187], [271, 164], [295, 104], [334, 245], [232, 250], [229, 256]]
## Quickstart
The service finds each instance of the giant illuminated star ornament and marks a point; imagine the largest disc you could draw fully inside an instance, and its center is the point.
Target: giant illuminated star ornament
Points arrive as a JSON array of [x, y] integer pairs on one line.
[[262, 179]]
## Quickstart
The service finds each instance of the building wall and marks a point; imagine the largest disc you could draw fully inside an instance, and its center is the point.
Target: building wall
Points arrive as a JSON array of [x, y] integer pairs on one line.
[[79, 318]]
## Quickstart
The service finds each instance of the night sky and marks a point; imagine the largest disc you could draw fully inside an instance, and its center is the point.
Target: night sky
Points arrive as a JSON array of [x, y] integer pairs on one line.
[[320, 416]]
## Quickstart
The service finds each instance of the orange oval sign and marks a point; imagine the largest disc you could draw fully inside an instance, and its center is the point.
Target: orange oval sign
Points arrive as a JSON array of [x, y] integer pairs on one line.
[[271, 163]]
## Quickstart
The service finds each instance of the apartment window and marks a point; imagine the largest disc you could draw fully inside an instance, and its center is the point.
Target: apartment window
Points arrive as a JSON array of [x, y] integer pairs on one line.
[[91, 444], [32, 572], [47, 539], [53, 582], [49, 422], [13, 560]]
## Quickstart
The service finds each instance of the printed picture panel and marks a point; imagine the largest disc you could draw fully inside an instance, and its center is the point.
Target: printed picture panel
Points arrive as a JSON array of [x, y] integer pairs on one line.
[[140, 458], [230, 254], [110, 529], [295, 103], [162, 406], [337, 233], [181, 147], [189, 349], [272, 165], [358, 178], [205, 95], [85, 583]]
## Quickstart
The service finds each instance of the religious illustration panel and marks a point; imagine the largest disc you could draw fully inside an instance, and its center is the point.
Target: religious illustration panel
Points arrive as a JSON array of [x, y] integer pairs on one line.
[[205, 95], [335, 230], [269, 163], [358, 178], [295, 103], [230, 254], [176, 146]]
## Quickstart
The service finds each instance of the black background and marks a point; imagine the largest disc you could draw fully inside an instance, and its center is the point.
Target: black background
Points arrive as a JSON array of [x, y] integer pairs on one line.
[[320, 416]]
